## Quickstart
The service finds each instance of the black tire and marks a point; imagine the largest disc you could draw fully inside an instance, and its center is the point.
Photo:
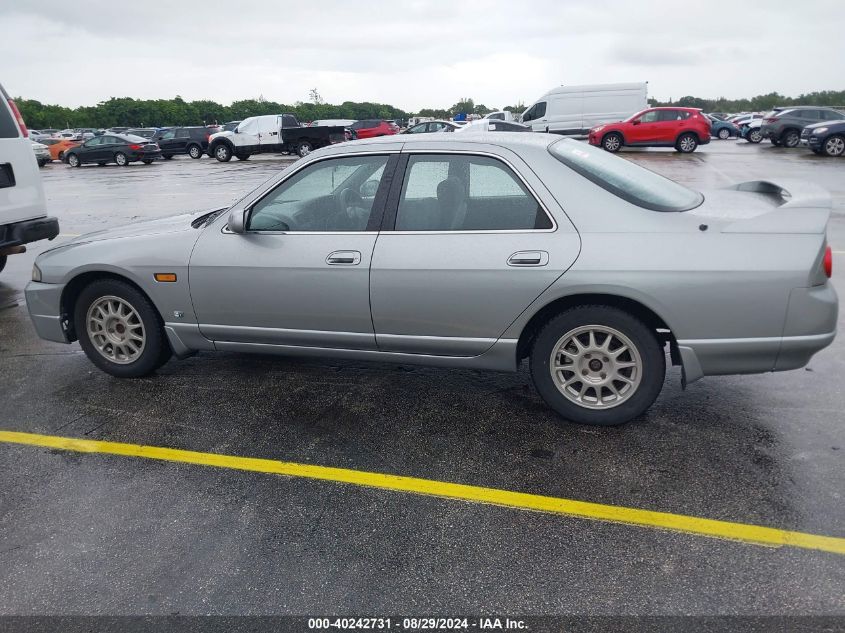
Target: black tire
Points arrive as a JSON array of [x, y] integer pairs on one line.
[[304, 148], [121, 159], [686, 143], [3, 259], [754, 136], [612, 142], [834, 145], [724, 134], [195, 151], [243, 156], [775, 142], [653, 365], [223, 153], [790, 138], [73, 160], [148, 161], [167, 156], [156, 350]]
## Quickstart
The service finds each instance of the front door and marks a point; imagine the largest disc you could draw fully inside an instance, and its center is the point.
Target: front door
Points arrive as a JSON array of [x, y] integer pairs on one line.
[[299, 275], [471, 247], [645, 129]]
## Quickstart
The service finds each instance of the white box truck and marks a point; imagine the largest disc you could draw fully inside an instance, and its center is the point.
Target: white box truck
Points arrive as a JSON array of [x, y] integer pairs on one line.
[[573, 110], [23, 217]]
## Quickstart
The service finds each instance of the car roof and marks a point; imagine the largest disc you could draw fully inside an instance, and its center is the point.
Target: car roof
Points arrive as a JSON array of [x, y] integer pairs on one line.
[[511, 140]]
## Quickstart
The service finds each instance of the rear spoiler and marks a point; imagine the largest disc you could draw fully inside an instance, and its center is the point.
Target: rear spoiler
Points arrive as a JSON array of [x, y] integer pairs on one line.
[[801, 207]]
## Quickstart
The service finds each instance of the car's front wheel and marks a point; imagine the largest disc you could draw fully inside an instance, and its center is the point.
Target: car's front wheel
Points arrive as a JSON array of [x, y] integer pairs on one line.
[[754, 136], [612, 142], [73, 160], [597, 365], [121, 159], [790, 138], [835, 145], [223, 153], [686, 143], [119, 329]]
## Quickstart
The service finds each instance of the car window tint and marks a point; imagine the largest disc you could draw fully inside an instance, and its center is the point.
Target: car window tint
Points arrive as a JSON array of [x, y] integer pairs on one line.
[[624, 179], [97, 140], [465, 193], [650, 117], [332, 195]]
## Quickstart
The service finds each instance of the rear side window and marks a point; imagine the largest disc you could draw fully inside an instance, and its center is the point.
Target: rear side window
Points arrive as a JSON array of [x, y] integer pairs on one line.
[[466, 193], [8, 125], [624, 179]]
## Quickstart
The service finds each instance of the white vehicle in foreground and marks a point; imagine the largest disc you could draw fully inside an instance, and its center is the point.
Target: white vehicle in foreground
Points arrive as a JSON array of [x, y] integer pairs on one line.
[[23, 216], [575, 110]]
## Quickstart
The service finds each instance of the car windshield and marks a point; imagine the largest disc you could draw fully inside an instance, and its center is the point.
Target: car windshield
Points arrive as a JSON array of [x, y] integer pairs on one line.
[[624, 179]]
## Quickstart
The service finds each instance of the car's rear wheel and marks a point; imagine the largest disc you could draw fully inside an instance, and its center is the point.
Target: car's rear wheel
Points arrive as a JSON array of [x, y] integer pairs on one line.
[[754, 136], [597, 365], [121, 159], [119, 329], [775, 142], [194, 151], [243, 156], [790, 138], [835, 145], [612, 142], [304, 148], [686, 143], [724, 134], [73, 160], [223, 153]]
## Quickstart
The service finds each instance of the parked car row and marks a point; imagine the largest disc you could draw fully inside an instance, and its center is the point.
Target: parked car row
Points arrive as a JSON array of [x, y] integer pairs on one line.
[[821, 129]]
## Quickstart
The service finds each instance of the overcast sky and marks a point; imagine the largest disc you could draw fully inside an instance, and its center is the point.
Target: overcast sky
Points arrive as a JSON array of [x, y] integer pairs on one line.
[[415, 54]]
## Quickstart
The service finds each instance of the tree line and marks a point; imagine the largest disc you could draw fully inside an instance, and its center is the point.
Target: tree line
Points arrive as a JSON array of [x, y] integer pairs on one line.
[[126, 111]]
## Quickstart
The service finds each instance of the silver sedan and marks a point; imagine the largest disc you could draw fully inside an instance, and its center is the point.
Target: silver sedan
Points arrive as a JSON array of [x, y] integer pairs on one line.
[[466, 251]]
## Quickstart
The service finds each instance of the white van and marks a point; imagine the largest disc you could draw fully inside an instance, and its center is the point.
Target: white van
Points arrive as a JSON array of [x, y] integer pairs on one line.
[[573, 110], [23, 217]]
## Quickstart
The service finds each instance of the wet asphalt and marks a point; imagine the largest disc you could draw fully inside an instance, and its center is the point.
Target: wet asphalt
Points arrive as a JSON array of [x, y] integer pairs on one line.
[[98, 534]]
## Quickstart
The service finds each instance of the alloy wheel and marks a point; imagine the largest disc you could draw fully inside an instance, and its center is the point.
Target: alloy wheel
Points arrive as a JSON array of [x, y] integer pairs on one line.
[[115, 329], [835, 146], [687, 144], [611, 143], [596, 367]]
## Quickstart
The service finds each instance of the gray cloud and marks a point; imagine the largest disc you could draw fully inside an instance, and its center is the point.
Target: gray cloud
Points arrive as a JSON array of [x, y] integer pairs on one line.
[[414, 54]]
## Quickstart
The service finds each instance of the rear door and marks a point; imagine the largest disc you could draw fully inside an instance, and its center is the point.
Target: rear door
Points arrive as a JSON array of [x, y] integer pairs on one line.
[[21, 192], [269, 129], [468, 243]]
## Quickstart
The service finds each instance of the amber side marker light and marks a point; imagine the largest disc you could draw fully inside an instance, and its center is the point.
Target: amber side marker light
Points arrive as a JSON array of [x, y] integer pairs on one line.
[[165, 277]]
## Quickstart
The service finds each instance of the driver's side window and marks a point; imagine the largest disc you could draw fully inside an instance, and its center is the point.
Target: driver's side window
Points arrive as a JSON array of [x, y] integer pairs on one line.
[[333, 195], [650, 117]]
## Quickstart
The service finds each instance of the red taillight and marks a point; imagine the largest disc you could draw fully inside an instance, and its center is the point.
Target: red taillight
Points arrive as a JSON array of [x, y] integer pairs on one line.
[[770, 119], [17, 114], [828, 262], [135, 147]]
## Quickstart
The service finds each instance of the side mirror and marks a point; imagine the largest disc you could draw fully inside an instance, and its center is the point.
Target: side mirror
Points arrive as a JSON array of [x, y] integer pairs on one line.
[[369, 189], [237, 221], [236, 131], [636, 122]]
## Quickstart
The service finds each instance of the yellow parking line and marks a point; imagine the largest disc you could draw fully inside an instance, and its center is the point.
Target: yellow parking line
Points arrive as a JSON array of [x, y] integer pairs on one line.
[[747, 533]]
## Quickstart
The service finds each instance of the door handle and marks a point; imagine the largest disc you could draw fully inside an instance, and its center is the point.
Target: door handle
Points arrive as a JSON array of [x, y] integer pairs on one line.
[[344, 258], [529, 258]]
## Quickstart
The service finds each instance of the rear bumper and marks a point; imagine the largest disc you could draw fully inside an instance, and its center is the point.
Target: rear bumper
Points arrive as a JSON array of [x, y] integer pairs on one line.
[[133, 156], [28, 231], [810, 327]]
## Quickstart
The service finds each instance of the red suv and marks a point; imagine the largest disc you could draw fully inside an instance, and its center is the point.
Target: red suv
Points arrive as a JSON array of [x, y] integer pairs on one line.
[[681, 128], [368, 128]]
